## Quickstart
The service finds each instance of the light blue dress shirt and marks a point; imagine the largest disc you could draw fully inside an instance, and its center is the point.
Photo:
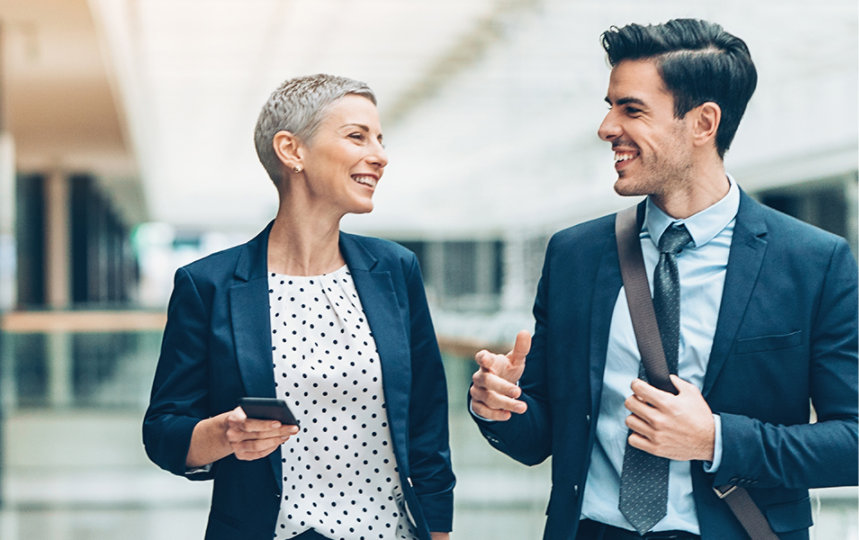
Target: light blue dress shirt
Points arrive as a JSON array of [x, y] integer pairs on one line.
[[702, 270]]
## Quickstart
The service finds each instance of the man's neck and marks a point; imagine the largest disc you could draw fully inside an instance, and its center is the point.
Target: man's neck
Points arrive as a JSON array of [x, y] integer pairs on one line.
[[701, 192]]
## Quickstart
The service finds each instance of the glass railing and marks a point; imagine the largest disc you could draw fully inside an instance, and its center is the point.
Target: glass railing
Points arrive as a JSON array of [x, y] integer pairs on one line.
[[72, 464]]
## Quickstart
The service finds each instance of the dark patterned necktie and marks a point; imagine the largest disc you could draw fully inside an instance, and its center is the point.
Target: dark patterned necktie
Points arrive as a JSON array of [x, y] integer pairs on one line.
[[644, 477]]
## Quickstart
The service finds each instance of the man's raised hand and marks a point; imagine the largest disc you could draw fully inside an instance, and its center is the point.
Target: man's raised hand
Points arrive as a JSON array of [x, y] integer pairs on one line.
[[494, 392]]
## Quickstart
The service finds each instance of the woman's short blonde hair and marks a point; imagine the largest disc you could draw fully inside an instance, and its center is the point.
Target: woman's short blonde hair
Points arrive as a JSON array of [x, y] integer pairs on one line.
[[298, 106]]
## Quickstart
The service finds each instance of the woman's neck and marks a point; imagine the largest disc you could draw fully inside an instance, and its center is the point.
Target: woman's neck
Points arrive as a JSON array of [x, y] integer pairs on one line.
[[303, 244]]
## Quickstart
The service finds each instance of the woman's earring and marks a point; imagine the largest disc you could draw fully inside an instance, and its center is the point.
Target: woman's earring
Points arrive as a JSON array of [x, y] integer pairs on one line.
[[297, 169]]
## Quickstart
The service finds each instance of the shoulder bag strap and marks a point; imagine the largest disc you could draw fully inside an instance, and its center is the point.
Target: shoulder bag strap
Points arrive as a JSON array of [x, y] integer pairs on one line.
[[653, 356], [638, 297]]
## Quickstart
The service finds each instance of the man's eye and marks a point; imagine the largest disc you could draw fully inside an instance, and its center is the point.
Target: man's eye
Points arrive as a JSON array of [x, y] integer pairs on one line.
[[633, 111]]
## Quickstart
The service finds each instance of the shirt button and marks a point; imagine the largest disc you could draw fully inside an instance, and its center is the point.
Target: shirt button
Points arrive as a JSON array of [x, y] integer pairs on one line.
[[576, 490], [588, 418]]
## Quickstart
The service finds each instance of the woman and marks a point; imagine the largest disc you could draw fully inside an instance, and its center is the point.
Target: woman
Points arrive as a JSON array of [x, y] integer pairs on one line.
[[337, 325]]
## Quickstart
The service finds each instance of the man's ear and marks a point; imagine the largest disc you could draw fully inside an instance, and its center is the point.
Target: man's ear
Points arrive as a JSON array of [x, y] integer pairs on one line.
[[288, 149], [705, 123]]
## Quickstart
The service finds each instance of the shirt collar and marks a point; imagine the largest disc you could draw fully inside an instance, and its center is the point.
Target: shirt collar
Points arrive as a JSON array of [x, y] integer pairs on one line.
[[703, 226]]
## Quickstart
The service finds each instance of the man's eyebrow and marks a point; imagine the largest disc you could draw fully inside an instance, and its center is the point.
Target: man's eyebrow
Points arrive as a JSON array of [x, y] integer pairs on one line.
[[626, 101]]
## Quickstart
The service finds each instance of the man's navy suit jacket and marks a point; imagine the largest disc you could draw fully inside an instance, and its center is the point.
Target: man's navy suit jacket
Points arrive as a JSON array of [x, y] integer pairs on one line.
[[786, 335], [217, 349]]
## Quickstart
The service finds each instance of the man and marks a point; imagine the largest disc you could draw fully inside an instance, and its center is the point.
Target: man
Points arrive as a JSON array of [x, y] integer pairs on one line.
[[767, 322]]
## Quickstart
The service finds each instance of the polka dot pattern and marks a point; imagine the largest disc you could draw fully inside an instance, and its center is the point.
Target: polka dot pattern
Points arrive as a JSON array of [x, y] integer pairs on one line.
[[339, 473]]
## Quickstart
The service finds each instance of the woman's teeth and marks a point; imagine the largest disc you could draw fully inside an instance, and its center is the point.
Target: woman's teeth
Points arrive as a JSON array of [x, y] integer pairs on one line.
[[366, 180]]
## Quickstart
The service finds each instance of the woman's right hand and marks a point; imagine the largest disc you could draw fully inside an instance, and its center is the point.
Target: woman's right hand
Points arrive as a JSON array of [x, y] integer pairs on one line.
[[252, 438], [234, 433]]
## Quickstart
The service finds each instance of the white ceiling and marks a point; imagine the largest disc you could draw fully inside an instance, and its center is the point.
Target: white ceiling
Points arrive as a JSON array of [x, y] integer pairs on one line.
[[490, 107]]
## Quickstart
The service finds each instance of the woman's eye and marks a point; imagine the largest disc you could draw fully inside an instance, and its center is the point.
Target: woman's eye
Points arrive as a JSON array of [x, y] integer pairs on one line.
[[357, 136]]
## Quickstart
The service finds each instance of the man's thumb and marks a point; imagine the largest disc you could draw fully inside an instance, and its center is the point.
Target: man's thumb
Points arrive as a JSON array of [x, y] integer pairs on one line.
[[520, 348]]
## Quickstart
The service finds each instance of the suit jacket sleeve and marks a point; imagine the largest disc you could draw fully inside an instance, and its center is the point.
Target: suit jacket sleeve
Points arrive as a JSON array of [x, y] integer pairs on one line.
[[429, 452], [179, 390], [527, 437], [766, 455]]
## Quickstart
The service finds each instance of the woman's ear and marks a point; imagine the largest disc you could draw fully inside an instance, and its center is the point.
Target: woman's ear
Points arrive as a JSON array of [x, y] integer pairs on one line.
[[708, 115], [287, 147]]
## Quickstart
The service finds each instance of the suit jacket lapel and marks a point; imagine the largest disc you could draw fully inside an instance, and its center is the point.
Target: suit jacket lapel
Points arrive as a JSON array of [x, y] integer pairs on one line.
[[382, 309], [748, 247]]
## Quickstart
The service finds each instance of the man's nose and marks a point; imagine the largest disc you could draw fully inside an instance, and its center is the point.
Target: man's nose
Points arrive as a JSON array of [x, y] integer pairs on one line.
[[609, 129]]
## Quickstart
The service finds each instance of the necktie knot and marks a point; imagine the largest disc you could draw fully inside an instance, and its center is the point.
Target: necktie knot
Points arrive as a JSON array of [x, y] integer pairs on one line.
[[673, 239]]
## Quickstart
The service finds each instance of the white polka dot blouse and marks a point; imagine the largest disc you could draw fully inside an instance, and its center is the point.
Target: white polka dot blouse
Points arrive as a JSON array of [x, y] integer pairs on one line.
[[339, 472]]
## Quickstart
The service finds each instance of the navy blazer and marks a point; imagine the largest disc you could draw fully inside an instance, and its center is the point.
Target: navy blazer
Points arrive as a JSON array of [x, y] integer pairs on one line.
[[217, 349], [786, 334]]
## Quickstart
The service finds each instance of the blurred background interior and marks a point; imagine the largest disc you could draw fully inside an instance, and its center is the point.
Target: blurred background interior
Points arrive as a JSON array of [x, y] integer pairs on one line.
[[126, 150]]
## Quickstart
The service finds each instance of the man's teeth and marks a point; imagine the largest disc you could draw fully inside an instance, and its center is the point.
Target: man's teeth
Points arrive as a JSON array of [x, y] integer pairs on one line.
[[366, 180], [622, 157]]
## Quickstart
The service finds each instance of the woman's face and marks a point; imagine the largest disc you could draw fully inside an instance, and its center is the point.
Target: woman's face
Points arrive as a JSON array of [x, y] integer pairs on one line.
[[344, 159]]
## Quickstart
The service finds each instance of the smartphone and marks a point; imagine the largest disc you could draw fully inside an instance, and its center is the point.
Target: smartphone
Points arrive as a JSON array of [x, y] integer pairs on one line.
[[268, 409]]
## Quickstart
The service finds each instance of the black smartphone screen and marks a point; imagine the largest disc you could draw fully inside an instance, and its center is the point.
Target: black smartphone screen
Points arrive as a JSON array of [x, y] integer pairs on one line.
[[268, 409]]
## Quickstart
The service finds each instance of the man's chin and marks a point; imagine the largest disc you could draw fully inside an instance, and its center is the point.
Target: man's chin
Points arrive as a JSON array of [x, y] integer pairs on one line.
[[625, 188]]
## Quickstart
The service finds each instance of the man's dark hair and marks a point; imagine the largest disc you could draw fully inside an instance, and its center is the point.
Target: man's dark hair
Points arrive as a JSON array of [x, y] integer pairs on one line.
[[698, 62]]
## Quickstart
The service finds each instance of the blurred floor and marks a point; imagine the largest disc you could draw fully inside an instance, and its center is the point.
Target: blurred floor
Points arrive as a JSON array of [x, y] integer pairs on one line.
[[80, 473], [84, 476]]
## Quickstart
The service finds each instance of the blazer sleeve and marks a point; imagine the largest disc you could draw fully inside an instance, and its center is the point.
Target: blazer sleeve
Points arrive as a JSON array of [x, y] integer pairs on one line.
[[429, 451], [820, 454], [527, 437], [180, 389]]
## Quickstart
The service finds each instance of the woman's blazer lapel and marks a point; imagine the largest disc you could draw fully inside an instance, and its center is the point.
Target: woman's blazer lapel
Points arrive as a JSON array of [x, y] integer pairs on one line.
[[384, 310], [249, 313]]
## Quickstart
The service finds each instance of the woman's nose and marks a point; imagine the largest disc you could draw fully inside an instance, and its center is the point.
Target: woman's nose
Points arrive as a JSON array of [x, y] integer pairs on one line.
[[379, 156]]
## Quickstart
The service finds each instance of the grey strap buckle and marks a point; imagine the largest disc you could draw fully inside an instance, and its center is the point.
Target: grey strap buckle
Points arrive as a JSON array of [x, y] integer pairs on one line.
[[724, 491]]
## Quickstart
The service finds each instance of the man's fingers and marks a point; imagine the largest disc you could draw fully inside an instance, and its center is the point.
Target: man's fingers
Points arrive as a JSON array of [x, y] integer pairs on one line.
[[648, 393], [494, 407], [503, 403], [642, 443], [485, 380], [683, 386], [483, 411], [486, 360], [636, 405], [520, 348], [639, 426], [494, 392], [496, 395]]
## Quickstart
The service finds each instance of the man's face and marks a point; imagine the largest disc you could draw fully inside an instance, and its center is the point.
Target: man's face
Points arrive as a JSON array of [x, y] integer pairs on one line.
[[652, 148]]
